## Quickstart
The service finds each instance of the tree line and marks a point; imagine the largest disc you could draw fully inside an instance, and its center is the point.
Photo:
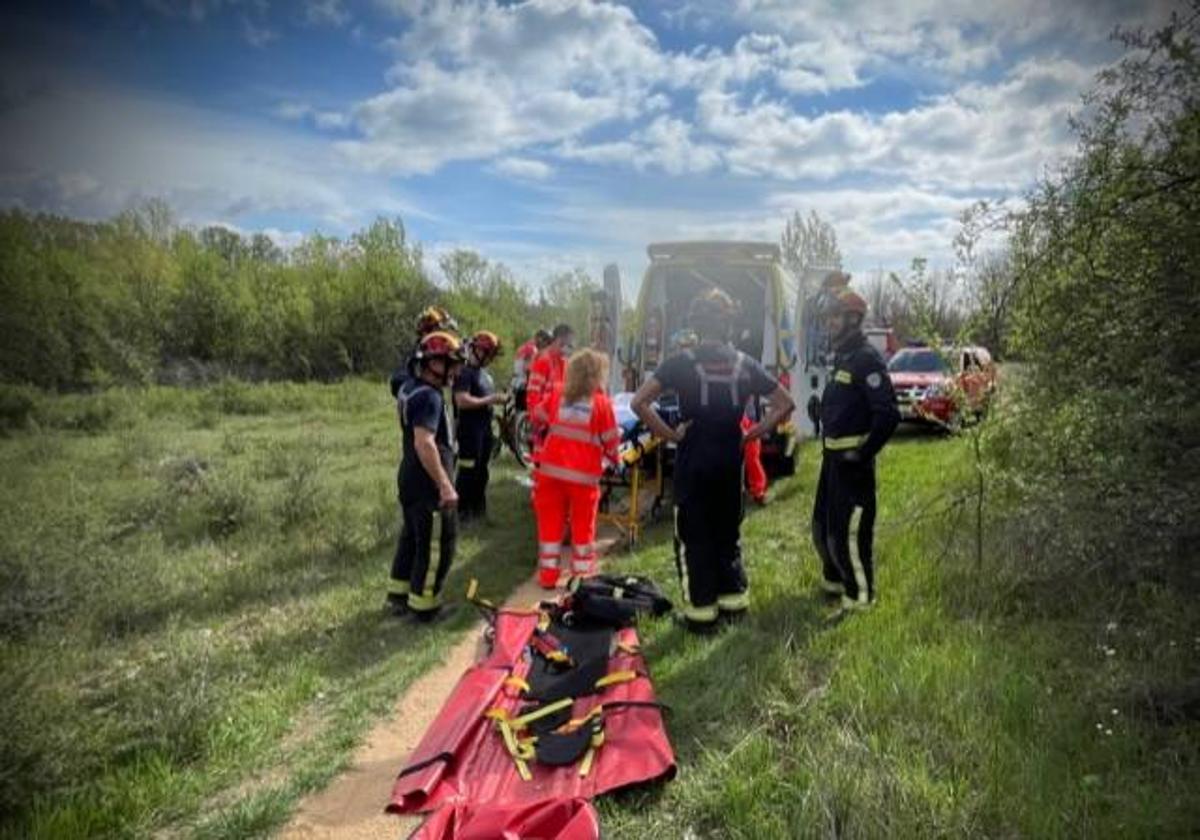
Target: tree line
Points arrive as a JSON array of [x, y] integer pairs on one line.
[[141, 298]]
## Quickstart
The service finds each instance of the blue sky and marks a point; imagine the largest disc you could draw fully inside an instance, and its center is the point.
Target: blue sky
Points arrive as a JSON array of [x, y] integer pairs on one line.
[[549, 134]]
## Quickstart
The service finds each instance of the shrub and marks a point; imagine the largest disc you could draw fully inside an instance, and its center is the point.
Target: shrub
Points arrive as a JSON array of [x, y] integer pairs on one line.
[[17, 406]]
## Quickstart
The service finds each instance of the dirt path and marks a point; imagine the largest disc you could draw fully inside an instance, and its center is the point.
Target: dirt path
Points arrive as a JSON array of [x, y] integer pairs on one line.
[[351, 807]]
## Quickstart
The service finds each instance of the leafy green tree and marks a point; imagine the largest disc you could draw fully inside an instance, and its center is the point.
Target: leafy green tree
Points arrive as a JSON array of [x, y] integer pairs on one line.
[[1107, 314]]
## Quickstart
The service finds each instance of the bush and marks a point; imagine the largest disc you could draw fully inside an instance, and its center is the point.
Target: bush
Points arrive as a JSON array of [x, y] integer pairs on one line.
[[139, 299], [302, 493], [17, 406], [227, 502]]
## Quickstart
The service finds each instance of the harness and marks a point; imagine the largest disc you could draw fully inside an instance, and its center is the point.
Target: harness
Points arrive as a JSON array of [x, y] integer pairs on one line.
[[402, 399], [718, 373], [570, 653]]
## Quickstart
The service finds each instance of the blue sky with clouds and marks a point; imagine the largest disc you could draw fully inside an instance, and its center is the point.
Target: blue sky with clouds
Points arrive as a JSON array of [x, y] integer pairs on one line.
[[549, 133]]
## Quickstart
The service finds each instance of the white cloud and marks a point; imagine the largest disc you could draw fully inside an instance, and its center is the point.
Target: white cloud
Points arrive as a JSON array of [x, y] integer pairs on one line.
[[950, 36], [88, 151], [523, 168], [995, 136], [331, 119], [666, 144], [303, 112], [477, 79], [255, 34], [326, 13]]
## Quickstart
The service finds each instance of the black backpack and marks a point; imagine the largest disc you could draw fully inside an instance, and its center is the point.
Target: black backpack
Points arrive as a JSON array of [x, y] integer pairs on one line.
[[616, 600]]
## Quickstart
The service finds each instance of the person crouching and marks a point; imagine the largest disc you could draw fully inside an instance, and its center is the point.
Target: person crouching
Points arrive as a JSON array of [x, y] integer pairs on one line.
[[426, 480], [581, 434]]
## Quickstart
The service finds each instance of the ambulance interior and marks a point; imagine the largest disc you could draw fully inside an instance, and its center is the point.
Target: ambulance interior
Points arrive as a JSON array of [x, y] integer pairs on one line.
[[746, 284]]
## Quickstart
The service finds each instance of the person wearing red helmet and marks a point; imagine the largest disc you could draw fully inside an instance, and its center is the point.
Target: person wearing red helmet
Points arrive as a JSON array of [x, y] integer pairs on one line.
[[431, 319], [858, 415], [474, 396], [428, 499]]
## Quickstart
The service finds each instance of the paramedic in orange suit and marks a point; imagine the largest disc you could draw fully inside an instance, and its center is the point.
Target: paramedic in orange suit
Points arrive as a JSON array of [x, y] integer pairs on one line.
[[581, 434]]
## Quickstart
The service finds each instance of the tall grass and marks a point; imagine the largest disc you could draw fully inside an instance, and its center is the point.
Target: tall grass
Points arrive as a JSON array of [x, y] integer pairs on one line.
[[191, 620], [954, 708]]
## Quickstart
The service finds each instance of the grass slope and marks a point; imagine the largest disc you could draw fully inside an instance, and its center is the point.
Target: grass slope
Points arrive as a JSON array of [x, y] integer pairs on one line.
[[192, 639], [929, 716], [192, 632]]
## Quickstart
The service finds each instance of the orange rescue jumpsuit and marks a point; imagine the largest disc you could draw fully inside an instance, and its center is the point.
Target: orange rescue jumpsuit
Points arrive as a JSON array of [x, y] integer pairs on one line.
[[756, 476], [580, 437]]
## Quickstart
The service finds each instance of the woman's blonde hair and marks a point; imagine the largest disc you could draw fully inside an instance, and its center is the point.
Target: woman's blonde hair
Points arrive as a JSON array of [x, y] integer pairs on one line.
[[586, 371]]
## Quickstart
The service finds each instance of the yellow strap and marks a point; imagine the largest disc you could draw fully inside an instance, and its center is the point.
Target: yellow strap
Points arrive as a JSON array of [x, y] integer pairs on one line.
[[526, 748], [517, 683], [585, 766], [514, 750], [557, 656], [545, 711], [616, 677], [575, 723]]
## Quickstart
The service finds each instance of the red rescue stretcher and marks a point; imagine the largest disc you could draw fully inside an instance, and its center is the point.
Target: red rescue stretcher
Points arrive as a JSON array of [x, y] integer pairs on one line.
[[480, 768]]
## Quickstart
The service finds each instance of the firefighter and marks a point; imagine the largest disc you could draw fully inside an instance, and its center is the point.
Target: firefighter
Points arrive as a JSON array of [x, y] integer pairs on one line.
[[858, 415], [756, 476], [427, 496], [523, 364], [474, 396], [432, 318], [582, 433], [713, 382]]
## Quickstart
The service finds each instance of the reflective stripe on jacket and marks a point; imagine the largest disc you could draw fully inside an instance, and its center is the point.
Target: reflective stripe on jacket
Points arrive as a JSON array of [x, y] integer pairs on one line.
[[579, 437], [545, 379]]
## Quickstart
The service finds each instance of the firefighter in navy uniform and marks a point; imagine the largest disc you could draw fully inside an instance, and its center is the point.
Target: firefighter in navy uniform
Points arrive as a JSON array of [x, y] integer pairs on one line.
[[431, 319], [474, 396], [713, 382], [858, 415], [426, 479]]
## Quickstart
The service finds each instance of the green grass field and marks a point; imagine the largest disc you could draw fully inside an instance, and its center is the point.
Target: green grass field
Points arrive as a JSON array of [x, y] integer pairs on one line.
[[192, 639], [192, 593]]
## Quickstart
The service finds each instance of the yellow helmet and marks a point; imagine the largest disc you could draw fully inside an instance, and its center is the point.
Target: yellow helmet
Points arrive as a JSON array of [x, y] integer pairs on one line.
[[435, 318]]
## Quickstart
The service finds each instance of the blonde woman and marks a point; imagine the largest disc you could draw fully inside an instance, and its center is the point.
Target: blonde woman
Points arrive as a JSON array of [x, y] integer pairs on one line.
[[581, 434]]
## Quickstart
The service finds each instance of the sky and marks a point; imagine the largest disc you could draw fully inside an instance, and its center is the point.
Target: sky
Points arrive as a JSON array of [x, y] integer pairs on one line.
[[550, 134]]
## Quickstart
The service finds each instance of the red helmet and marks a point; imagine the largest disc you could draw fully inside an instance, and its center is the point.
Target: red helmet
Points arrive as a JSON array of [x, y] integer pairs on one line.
[[835, 281], [440, 345], [433, 318], [487, 344], [845, 300]]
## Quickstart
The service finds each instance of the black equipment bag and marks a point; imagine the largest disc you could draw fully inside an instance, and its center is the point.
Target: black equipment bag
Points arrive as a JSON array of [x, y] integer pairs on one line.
[[617, 600]]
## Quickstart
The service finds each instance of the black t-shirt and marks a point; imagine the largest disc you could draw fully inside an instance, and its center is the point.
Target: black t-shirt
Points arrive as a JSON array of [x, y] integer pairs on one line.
[[422, 405], [714, 384], [474, 423], [405, 371]]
